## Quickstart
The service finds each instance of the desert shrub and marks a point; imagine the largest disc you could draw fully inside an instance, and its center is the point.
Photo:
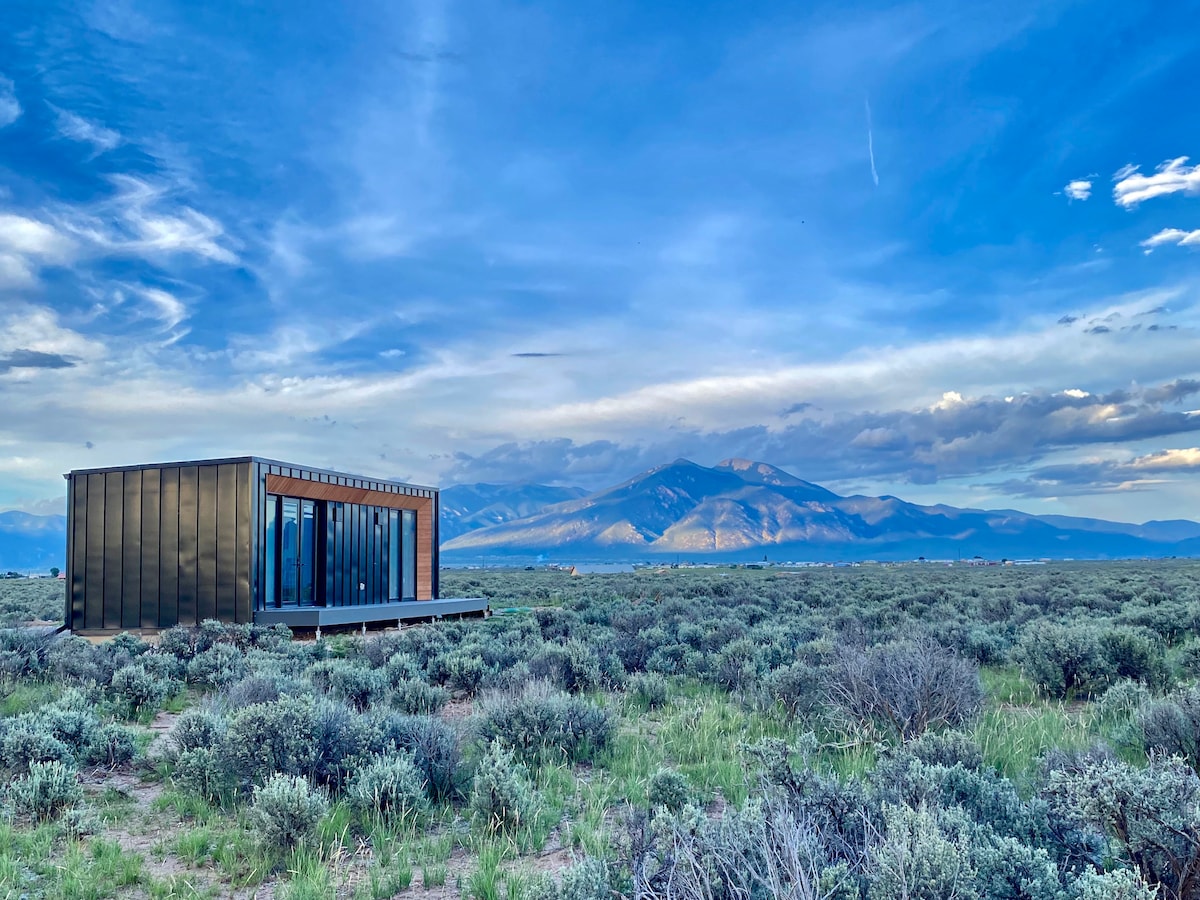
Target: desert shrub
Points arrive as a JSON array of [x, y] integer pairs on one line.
[[217, 666], [270, 737], [905, 687], [924, 855], [23, 652], [799, 688], [167, 667], [111, 745], [542, 722], [401, 667], [139, 689], [390, 787], [668, 789], [178, 641], [46, 790], [26, 743], [948, 748], [201, 771], [1150, 816], [1064, 660], [571, 667], [435, 748], [416, 697], [196, 729], [125, 644], [356, 684], [464, 672], [738, 665], [1122, 884], [340, 739], [502, 796], [588, 879], [1135, 654], [72, 658], [649, 691], [250, 690], [286, 810], [1172, 725]]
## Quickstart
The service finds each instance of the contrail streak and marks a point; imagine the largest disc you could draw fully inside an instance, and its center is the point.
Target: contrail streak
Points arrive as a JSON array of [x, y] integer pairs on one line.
[[871, 143]]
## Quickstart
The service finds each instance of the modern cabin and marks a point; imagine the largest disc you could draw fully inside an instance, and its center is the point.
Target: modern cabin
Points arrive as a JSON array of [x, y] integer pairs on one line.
[[248, 540]]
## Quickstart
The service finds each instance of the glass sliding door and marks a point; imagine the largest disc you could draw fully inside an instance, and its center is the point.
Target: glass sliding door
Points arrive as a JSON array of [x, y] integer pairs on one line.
[[289, 552], [271, 573], [408, 531], [393, 590], [308, 556], [297, 542]]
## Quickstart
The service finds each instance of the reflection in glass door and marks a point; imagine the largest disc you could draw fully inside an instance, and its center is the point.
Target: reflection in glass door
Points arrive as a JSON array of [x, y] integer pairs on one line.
[[297, 543]]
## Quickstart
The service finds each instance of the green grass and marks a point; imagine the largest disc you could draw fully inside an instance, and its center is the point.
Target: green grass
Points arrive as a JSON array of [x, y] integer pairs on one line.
[[1006, 684], [25, 696], [41, 862], [1013, 739]]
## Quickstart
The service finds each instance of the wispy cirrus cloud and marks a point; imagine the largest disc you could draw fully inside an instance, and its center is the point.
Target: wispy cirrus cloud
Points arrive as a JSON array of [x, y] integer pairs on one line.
[[1171, 177], [77, 128], [1172, 237], [143, 219], [10, 107]]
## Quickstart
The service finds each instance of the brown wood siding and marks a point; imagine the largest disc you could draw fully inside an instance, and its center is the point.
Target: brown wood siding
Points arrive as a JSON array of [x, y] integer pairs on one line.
[[317, 490]]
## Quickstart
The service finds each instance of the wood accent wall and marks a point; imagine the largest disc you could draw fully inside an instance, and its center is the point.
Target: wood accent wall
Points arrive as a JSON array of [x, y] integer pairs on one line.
[[317, 490]]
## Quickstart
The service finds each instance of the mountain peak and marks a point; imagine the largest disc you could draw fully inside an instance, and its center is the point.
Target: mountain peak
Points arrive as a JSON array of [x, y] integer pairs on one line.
[[758, 472]]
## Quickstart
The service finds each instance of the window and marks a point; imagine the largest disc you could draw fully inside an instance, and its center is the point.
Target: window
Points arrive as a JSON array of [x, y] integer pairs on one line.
[[394, 591], [408, 532]]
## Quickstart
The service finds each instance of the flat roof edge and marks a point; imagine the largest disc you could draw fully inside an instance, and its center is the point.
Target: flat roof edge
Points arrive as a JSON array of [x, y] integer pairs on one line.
[[246, 459]]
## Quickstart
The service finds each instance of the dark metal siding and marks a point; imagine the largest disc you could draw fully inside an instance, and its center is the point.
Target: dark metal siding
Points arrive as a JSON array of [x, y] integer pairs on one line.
[[159, 546]]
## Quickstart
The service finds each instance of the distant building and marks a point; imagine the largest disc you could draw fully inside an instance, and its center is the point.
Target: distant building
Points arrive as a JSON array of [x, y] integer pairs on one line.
[[248, 540]]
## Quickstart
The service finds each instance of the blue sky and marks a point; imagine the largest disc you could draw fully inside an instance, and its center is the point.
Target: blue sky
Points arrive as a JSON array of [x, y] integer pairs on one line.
[[947, 251]]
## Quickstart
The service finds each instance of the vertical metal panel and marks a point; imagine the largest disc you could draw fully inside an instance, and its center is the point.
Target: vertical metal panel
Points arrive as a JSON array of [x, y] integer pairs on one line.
[[131, 551], [114, 485], [258, 532], [206, 543], [168, 548], [330, 546], [189, 512], [436, 548], [94, 567], [372, 564], [343, 566], [243, 606], [151, 513], [226, 537], [78, 560]]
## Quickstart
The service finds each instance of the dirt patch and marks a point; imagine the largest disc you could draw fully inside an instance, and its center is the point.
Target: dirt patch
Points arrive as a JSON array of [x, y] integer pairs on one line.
[[161, 729], [457, 710]]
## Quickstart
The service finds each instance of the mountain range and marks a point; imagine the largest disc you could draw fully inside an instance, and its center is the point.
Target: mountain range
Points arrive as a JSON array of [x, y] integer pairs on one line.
[[740, 509], [31, 543], [735, 510]]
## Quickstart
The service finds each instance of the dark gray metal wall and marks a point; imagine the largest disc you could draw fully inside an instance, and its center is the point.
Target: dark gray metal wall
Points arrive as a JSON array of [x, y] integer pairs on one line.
[[152, 547]]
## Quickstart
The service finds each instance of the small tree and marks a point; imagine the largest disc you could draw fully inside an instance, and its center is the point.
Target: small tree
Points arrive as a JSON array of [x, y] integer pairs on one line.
[[54, 570]]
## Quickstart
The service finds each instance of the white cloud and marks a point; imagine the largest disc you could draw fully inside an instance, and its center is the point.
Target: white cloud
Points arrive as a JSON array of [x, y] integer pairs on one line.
[[1173, 236], [1167, 460], [165, 307], [1079, 189], [26, 244], [146, 229], [77, 128], [1173, 176], [10, 109]]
